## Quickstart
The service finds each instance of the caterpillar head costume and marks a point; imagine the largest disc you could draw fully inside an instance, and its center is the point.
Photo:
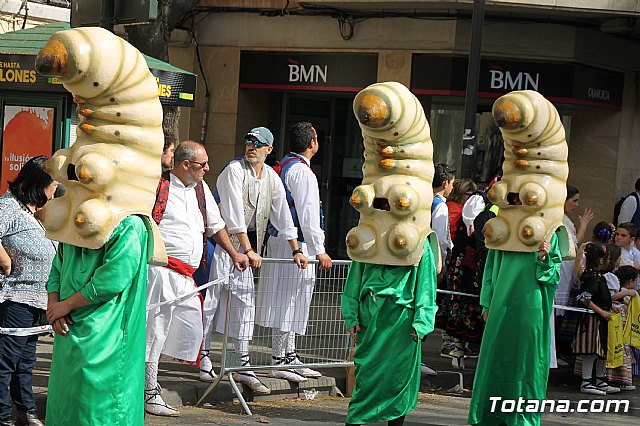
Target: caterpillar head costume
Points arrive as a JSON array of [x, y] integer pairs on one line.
[[113, 168], [533, 189], [395, 197]]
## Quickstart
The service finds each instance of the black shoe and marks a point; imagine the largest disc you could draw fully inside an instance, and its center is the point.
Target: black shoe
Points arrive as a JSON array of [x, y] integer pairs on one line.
[[27, 418]]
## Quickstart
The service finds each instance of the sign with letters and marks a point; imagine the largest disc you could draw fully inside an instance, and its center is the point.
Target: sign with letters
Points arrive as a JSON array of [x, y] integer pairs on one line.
[[559, 82], [338, 72], [18, 72]]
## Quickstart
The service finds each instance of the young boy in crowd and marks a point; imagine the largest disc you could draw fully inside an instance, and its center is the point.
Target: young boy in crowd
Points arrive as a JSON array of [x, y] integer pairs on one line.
[[626, 240]]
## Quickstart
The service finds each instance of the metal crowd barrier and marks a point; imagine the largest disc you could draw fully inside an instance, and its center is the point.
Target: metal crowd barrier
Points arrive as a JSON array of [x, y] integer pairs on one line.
[[325, 342]]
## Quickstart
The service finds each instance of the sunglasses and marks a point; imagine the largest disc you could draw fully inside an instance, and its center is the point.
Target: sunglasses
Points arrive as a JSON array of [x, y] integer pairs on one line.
[[202, 164], [255, 143]]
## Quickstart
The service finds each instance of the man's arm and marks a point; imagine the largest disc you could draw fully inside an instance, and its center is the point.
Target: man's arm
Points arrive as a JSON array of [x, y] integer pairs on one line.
[[304, 189], [240, 261], [216, 229], [628, 209]]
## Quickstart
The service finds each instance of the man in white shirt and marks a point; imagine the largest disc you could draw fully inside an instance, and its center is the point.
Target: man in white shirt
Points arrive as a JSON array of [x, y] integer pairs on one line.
[[443, 179], [630, 210], [284, 294], [251, 195], [186, 213], [442, 184]]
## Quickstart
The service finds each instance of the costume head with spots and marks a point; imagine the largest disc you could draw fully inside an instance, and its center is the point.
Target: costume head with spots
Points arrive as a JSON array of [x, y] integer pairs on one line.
[[113, 168], [395, 197]]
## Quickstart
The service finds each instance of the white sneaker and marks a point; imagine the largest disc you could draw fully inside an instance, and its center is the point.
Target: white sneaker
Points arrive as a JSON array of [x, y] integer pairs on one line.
[[154, 404], [427, 370], [304, 371], [249, 378], [591, 389], [606, 387], [290, 375], [627, 388], [206, 369]]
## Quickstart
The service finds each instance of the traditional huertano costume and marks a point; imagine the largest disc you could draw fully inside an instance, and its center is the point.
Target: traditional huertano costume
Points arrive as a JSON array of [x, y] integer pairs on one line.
[[103, 224], [285, 291], [391, 287], [518, 288], [247, 204], [186, 215]]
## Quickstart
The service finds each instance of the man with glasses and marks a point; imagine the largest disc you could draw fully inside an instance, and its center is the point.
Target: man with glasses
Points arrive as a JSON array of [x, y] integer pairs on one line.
[[251, 195], [187, 214], [284, 294]]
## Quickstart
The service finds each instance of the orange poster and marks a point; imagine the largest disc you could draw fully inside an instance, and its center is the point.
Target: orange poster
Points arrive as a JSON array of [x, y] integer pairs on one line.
[[28, 132]]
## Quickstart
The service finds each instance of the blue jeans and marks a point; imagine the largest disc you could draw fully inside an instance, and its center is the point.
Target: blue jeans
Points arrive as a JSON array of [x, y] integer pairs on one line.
[[17, 358]]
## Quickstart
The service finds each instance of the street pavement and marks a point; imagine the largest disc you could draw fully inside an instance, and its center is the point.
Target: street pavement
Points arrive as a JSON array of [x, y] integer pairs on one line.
[[444, 400]]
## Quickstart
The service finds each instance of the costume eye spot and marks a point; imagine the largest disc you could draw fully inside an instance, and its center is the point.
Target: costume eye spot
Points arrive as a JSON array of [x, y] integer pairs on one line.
[[537, 167], [117, 132], [112, 99], [95, 84], [118, 114], [395, 134]]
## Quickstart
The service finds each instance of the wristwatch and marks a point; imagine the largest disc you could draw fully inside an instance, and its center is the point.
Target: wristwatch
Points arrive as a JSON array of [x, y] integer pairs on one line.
[[296, 251]]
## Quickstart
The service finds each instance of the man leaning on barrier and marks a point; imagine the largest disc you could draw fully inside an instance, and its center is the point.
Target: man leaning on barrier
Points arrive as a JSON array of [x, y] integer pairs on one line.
[[185, 211], [251, 195], [284, 295]]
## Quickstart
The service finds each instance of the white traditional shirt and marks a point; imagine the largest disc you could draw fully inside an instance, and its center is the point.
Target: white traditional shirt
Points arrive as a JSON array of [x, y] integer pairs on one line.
[[182, 226], [230, 188], [303, 185], [441, 225], [628, 209]]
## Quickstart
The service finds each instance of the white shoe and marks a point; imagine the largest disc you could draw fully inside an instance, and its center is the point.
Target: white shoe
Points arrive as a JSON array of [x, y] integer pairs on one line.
[[249, 378], [562, 363], [428, 371], [290, 375], [206, 369], [627, 388], [154, 404], [606, 387], [587, 387], [304, 371]]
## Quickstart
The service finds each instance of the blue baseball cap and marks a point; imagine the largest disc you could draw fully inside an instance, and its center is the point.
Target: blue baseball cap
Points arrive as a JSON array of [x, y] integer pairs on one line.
[[263, 134]]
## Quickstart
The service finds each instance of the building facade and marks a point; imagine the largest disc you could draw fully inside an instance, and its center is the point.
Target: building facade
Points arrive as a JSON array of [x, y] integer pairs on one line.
[[269, 66]]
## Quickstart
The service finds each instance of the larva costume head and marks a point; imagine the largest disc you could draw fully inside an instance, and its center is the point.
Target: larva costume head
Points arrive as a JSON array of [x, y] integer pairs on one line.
[[395, 197], [113, 168], [533, 189]]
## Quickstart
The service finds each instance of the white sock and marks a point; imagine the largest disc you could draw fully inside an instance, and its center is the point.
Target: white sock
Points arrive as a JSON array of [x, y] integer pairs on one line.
[[278, 343], [151, 376], [587, 366]]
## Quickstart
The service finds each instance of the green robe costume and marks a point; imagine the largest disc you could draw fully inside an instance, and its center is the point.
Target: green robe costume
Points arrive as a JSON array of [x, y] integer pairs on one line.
[[388, 303], [97, 370], [518, 291]]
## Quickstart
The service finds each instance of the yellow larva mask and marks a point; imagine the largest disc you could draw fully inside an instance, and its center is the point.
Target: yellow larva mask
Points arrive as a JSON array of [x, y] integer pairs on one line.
[[113, 168], [395, 197], [533, 188]]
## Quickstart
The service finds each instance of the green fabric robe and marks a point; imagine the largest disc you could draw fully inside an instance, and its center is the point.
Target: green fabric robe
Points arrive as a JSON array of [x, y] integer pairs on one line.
[[518, 291], [388, 303], [97, 370]]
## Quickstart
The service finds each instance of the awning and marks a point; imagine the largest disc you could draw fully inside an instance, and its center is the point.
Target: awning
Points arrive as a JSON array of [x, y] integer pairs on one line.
[[18, 51]]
